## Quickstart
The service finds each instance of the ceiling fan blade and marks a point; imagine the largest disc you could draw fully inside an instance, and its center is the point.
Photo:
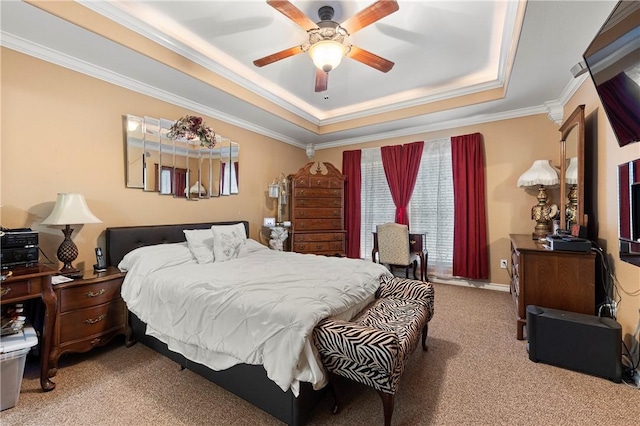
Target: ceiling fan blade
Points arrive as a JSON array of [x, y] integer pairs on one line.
[[370, 59], [278, 56], [369, 15], [322, 80], [290, 11]]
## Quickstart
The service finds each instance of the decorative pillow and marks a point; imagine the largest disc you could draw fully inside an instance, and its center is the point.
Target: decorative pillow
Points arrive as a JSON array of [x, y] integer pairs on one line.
[[228, 241], [200, 242]]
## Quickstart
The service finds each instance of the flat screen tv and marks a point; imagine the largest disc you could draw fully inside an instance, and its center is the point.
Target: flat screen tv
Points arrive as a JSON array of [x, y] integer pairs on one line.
[[613, 60]]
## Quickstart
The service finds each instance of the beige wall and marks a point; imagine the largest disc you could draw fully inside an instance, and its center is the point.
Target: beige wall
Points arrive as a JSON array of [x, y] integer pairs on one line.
[[510, 148], [609, 156], [62, 132]]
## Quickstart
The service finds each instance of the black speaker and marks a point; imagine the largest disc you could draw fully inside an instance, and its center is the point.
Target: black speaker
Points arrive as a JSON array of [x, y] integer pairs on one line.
[[579, 342]]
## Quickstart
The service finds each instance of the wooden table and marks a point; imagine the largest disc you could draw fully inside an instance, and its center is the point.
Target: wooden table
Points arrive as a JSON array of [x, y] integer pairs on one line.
[[29, 283]]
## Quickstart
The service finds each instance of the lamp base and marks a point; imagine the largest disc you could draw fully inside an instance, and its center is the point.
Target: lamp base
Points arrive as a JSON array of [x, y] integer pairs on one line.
[[67, 253], [71, 273]]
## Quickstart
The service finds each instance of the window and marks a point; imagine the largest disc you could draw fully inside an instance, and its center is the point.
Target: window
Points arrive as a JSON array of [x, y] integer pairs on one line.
[[430, 209]]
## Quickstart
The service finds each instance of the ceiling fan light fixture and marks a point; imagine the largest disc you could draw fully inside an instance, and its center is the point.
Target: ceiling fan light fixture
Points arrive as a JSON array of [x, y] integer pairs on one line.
[[327, 54]]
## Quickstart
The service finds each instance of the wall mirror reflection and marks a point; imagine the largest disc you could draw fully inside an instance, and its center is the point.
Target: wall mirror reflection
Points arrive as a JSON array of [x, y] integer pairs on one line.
[[181, 168], [134, 168], [229, 166], [572, 146]]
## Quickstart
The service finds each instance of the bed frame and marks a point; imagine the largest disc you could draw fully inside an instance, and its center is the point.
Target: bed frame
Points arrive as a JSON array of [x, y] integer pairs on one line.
[[249, 382]]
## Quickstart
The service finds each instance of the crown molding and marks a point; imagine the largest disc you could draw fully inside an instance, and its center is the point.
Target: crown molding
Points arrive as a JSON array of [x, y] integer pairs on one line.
[[44, 53], [55, 57]]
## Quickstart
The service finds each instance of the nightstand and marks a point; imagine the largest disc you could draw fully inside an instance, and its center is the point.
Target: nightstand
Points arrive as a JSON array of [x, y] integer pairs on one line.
[[90, 313]]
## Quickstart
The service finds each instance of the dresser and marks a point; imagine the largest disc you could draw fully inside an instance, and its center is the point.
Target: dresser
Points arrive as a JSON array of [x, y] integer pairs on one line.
[[317, 210], [549, 278], [90, 313]]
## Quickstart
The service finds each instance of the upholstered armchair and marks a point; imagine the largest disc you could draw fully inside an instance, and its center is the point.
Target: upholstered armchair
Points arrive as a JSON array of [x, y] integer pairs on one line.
[[394, 248]]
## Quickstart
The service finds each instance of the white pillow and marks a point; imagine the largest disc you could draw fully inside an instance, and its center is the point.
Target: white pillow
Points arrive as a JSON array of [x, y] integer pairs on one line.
[[200, 242], [228, 241]]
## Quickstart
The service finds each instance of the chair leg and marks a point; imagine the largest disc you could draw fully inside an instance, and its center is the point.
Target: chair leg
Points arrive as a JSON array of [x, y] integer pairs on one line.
[[425, 331], [415, 266], [387, 406]]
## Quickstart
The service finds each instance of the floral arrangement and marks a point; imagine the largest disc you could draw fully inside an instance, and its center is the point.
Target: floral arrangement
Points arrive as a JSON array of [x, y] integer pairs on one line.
[[191, 128]]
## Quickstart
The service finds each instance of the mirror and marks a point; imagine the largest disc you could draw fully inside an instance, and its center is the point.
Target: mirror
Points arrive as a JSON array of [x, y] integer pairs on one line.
[[229, 166], [181, 168], [572, 171], [134, 168], [151, 142], [163, 172]]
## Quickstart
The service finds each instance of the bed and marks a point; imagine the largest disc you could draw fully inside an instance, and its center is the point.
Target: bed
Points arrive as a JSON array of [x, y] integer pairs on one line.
[[265, 379]]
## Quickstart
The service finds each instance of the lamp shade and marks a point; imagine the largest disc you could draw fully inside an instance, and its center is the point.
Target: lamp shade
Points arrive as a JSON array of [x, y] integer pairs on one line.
[[70, 209], [540, 173], [571, 175], [197, 188], [327, 54]]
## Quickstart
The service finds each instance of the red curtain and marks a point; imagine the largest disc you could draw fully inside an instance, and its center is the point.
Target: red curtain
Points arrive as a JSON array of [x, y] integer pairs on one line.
[[181, 182], [621, 97], [235, 166], [401, 164], [222, 167], [352, 207], [470, 224]]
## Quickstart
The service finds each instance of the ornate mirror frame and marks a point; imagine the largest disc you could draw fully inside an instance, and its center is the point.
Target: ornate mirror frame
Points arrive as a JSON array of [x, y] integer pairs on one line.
[[575, 123]]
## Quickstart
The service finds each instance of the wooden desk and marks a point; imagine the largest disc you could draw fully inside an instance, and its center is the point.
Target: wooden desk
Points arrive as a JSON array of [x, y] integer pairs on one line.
[[416, 245], [30, 283]]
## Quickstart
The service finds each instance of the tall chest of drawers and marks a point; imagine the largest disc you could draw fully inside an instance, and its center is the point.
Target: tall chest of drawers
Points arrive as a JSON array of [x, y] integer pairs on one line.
[[317, 210]]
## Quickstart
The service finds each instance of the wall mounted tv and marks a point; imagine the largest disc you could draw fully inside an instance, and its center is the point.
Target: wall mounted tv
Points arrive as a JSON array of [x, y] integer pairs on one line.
[[613, 60]]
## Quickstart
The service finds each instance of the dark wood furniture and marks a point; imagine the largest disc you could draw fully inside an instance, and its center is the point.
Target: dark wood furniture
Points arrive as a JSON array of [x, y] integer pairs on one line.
[[90, 313], [30, 283], [553, 279], [317, 211], [249, 382], [416, 244]]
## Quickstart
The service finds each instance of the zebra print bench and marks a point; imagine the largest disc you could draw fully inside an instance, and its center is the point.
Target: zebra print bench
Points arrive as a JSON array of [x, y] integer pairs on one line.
[[373, 347]]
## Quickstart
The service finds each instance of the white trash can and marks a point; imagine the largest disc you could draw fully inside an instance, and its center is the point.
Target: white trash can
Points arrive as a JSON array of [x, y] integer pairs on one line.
[[13, 354]]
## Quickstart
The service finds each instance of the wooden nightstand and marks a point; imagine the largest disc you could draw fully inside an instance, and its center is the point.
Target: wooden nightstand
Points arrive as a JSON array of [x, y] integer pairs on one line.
[[90, 313]]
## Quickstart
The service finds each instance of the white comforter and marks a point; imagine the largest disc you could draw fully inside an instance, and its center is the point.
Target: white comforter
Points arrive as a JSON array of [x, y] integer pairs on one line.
[[257, 309]]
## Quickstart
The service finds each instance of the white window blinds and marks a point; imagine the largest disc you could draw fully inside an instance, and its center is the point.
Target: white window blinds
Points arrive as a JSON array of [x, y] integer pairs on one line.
[[430, 209]]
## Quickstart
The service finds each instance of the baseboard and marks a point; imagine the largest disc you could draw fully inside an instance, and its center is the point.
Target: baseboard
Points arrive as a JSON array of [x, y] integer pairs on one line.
[[471, 283]]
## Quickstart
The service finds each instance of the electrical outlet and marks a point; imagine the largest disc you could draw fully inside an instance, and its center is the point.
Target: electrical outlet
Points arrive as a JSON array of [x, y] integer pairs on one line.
[[503, 263]]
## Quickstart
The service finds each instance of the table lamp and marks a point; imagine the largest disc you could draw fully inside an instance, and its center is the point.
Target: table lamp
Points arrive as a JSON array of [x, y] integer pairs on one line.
[[541, 174], [69, 209], [571, 178]]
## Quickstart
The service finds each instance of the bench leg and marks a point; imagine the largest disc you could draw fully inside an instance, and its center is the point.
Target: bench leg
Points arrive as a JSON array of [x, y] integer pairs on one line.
[[387, 406], [334, 391], [425, 331]]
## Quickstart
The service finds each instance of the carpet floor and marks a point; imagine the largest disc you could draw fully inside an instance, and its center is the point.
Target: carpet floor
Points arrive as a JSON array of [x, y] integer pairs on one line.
[[474, 373]]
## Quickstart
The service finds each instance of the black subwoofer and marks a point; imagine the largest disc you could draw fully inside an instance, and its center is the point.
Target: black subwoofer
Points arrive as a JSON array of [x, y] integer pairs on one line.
[[580, 342]]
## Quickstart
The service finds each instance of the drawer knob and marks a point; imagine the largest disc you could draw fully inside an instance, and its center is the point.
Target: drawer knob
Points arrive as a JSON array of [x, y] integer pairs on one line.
[[92, 294], [91, 321], [302, 192], [4, 291]]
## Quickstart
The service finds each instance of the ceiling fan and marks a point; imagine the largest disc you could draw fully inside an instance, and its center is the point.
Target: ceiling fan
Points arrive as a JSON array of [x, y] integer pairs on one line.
[[327, 38]]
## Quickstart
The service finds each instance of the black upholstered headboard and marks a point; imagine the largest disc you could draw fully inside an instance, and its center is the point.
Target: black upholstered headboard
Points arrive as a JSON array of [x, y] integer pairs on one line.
[[121, 240]]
